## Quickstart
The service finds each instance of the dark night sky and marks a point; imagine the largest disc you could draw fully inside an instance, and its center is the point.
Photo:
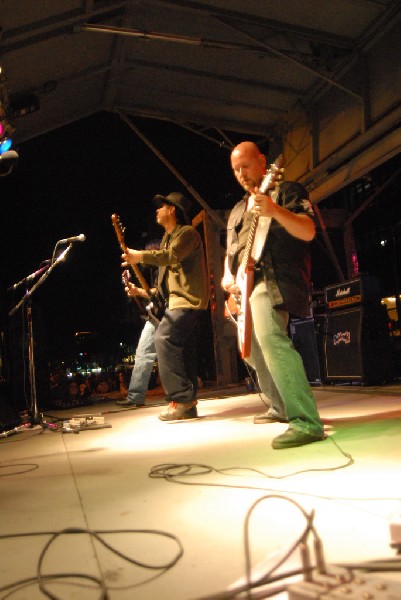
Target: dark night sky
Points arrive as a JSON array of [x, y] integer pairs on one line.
[[70, 181]]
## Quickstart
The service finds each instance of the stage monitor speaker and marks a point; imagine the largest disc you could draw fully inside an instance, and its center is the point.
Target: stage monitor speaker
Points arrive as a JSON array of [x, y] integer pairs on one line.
[[9, 417], [357, 346], [303, 335]]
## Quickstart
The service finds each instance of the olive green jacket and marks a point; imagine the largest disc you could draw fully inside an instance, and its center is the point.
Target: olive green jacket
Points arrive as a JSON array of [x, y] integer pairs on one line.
[[183, 278]]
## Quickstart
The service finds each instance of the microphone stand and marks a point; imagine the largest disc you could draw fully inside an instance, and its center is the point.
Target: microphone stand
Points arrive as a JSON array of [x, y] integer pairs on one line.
[[28, 277], [396, 276], [35, 416]]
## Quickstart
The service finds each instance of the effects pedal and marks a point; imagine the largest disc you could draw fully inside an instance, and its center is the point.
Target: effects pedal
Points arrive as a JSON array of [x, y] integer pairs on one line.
[[83, 422], [344, 584]]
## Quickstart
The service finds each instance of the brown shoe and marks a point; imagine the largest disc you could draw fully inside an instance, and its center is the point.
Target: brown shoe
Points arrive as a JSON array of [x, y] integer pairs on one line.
[[177, 411]]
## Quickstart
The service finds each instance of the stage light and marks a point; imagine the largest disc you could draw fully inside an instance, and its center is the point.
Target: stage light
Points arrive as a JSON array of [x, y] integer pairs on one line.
[[3, 126], [5, 145], [8, 156], [5, 130]]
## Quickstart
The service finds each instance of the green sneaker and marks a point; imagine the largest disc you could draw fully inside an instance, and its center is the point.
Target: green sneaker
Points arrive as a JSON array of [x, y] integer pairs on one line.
[[294, 437]]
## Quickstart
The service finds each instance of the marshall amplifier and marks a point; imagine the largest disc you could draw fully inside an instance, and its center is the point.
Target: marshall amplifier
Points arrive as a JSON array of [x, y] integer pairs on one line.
[[364, 289]]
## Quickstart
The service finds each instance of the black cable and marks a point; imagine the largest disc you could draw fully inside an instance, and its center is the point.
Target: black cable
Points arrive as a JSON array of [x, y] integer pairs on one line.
[[169, 471], [42, 578], [301, 539], [30, 467], [6, 435], [166, 471], [268, 577]]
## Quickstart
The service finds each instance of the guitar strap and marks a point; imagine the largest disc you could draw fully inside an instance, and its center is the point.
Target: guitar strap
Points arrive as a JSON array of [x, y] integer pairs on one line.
[[161, 279]]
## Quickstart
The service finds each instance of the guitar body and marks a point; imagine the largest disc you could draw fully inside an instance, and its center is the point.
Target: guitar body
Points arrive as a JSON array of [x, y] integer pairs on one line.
[[244, 281], [156, 308]]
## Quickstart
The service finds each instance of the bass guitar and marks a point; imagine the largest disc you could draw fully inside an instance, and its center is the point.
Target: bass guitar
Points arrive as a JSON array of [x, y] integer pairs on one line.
[[238, 303], [156, 306]]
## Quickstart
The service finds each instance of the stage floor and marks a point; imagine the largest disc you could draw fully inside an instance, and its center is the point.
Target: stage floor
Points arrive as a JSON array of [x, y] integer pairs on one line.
[[178, 511]]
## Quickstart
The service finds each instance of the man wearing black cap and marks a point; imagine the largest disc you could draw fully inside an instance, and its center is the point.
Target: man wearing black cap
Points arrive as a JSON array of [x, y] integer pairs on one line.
[[183, 283]]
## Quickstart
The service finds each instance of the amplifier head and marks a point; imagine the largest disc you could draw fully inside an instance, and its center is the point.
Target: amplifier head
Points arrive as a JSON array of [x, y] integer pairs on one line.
[[364, 289]]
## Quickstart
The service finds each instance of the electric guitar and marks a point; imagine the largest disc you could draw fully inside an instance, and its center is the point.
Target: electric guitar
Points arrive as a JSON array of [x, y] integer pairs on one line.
[[156, 306], [238, 303], [126, 280]]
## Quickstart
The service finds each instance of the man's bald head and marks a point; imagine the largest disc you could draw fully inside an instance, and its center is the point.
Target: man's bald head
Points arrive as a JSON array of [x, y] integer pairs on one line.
[[248, 164]]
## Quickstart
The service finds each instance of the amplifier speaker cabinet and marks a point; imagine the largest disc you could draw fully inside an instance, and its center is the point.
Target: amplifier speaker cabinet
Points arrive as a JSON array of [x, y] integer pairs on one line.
[[9, 417], [357, 346], [303, 335]]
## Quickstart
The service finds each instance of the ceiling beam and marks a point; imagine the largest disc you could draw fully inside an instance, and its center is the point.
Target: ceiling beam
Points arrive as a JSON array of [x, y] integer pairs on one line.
[[213, 214], [248, 83], [306, 33], [367, 151], [284, 55], [44, 29], [370, 38], [209, 121]]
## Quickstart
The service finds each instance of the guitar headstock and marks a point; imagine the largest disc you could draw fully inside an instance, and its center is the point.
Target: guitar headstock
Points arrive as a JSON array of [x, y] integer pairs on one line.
[[126, 277], [119, 229], [274, 174]]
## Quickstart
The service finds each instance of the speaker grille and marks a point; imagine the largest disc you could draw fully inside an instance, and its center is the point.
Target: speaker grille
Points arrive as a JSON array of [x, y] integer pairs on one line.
[[357, 346]]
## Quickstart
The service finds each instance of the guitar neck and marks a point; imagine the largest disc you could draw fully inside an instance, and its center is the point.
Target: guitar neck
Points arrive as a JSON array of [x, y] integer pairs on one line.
[[120, 236], [141, 279], [249, 242], [267, 183], [137, 271]]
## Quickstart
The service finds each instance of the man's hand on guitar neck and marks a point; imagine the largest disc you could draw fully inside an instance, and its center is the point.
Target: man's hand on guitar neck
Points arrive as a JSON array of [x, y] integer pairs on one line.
[[131, 257], [262, 204], [298, 225]]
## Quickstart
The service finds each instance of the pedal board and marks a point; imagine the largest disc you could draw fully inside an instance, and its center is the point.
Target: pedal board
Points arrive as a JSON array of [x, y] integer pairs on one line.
[[340, 584], [84, 422]]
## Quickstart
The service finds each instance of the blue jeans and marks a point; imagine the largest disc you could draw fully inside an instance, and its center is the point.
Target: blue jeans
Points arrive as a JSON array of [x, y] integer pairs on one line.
[[145, 357], [279, 367]]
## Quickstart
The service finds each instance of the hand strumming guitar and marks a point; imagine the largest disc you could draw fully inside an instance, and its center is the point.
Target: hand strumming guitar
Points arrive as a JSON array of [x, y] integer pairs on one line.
[[228, 282], [134, 291]]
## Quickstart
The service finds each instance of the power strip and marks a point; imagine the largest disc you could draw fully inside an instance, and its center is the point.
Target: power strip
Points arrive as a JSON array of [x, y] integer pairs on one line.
[[83, 422], [395, 534], [342, 584], [87, 420]]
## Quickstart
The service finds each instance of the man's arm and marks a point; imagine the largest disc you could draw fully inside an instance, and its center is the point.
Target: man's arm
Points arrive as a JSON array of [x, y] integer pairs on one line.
[[132, 257], [299, 225]]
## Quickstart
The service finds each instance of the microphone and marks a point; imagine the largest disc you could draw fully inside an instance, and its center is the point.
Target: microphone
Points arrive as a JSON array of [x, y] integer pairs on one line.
[[74, 238]]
